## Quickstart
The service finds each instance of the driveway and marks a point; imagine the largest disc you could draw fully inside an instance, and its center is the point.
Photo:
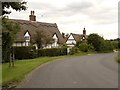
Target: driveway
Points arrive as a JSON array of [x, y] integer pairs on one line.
[[89, 71]]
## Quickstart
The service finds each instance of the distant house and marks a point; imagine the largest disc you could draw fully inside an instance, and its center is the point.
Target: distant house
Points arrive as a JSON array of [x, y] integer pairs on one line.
[[74, 38], [29, 28]]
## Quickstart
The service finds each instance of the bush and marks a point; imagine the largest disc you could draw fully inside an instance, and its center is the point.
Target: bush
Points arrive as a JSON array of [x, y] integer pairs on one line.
[[52, 52], [115, 44], [96, 41], [74, 50], [118, 58], [83, 47], [25, 52], [107, 46]]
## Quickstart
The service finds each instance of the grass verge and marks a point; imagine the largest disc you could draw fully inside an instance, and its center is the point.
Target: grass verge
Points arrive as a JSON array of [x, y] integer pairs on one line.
[[118, 58], [23, 67]]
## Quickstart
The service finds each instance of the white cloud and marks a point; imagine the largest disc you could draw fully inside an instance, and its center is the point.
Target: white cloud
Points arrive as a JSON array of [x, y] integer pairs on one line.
[[99, 16]]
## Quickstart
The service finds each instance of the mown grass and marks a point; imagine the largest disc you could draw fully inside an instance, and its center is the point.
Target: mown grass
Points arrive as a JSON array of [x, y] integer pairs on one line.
[[23, 67]]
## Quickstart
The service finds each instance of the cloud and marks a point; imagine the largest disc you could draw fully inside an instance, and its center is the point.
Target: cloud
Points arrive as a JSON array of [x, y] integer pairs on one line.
[[73, 15], [98, 14], [78, 6]]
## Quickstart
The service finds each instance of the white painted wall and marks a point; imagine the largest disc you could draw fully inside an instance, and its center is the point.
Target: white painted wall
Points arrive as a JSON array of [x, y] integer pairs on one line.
[[26, 34], [17, 44], [26, 43], [27, 37], [71, 40], [55, 44]]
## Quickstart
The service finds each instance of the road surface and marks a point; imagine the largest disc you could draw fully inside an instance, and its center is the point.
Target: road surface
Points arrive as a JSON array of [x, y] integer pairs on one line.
[[89, 71]]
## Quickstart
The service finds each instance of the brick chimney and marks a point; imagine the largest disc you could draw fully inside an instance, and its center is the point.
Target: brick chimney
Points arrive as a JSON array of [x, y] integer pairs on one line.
[[32, 17], [84, 31]]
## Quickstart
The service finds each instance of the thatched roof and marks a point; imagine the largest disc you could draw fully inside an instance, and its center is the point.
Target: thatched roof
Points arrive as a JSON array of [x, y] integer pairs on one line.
[[32, 26], [77, 37]]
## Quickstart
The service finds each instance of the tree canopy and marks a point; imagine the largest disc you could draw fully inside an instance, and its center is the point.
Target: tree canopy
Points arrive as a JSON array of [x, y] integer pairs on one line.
[[41, 40], [96, 41], [9, 29], [18, 6]]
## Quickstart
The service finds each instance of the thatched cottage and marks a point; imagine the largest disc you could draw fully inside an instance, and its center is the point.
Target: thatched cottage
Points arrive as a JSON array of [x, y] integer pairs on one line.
[[29, 29]]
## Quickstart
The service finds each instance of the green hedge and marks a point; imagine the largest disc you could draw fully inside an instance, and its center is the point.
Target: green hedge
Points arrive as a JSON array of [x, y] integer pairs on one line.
[[25, 52], [74, 50], [52, 52]]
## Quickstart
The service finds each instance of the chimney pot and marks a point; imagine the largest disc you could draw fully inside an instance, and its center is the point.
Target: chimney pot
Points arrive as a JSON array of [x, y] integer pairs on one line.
[[32, 17], [84, 31]]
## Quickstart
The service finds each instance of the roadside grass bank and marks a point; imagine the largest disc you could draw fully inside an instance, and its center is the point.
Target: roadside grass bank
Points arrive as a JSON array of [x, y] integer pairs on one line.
[[117, 58], [23, 67]]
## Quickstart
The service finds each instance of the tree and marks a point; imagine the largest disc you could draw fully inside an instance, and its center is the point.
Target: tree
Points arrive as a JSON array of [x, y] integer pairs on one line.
[[9, 29], [41, 40], [18, 6], [96, 41], [118, 43]]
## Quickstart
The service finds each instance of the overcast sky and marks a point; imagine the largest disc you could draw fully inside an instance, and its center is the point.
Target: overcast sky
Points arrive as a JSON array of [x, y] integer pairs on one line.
[[71, 16]]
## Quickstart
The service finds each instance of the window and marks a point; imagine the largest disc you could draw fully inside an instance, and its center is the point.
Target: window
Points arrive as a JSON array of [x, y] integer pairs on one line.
[[27, 38]]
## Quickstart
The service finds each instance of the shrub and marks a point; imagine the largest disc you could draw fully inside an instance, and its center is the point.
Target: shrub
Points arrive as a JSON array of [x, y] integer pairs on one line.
[[90, 47], [115, 44], [25, 52], [96, 41], [107, 46], [118, 58], [83, 47], [52, 52], [74, 50]]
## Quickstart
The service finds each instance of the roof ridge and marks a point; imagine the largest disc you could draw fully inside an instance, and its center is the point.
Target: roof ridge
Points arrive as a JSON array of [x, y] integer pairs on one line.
[[31, 21]]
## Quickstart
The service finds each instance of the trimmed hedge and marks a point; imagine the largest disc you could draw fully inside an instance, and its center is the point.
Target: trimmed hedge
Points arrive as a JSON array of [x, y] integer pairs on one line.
[[52, 52], [24, 52]]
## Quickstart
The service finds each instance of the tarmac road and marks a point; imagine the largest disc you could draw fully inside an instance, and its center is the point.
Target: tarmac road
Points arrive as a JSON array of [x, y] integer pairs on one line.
[[89, 71]]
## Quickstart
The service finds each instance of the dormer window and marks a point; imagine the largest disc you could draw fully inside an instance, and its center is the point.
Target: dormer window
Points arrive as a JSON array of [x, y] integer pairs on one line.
[[55, 38], [83, 38], [27, 38]]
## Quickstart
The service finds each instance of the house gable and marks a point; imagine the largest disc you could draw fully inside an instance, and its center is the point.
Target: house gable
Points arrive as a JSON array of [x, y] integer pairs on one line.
[[71, 40], [55, 37], [26, 34], [55, 44]]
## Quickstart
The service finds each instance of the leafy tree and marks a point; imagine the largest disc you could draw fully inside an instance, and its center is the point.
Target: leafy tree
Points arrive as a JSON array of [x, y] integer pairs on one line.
[[108, 46], [18, 6], [115, 44], [41, 40], [96, 41], [119, 43], [9, 30]]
